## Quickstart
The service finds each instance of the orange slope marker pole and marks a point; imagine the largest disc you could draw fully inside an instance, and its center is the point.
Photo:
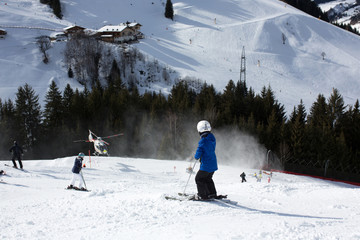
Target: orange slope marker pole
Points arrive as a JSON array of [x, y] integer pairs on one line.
[[90, 158]]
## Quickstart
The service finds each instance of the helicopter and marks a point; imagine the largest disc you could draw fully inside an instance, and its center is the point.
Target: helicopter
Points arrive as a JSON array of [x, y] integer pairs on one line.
[[99, 144]]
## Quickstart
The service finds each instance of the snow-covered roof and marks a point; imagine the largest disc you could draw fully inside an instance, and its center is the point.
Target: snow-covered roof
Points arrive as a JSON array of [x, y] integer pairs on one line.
[[74, 26], [133, 24], [112, 28]]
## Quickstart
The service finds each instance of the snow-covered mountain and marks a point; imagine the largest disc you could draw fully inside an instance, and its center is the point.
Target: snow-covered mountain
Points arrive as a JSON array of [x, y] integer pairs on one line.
[[204, 41], [342, 11], [127, 202]]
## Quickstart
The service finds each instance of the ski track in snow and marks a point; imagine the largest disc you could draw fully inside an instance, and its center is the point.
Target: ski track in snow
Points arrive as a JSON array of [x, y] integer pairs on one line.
[[127, 201]]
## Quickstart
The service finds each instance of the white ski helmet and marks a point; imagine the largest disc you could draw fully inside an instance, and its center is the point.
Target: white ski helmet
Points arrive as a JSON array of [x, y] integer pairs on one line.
[[203, 126]]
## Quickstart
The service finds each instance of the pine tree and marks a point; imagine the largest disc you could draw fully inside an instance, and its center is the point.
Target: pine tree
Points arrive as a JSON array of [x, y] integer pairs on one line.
[[241, 93], [2, 128], [54, 131], [318, 112], [159, 106], [335, 107], [181, 98], [250, 126], [28, 116], [56, 6], [169, 11], [53, 112], [272, 133], [342, 157], [116, 98], [206, 104], [7, 126], [351, 128], [97, 109], [298, 132], [80, 110], [263, 105], [70, 73], [355, 140], [319, 133], [67, 99], [301, 111], [284, 151], [228, 104]]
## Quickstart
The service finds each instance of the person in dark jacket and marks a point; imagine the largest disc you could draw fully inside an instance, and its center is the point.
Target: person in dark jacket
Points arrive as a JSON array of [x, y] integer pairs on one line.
[[16, 154], [208, 162], [76, 173], [243, 179]]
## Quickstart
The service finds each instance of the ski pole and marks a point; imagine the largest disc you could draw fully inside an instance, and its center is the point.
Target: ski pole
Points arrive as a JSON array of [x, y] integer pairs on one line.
[[189, 176], [83, 179]]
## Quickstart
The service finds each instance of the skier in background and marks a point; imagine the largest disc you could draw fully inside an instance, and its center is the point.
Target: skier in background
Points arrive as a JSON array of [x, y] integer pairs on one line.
[[76, 173], [243, 175], [259, 177], [16, 154], [208, 162]]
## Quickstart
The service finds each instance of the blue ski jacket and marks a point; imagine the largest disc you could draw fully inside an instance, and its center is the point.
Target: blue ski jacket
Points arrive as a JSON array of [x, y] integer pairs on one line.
[[206, 152], [77, 165]]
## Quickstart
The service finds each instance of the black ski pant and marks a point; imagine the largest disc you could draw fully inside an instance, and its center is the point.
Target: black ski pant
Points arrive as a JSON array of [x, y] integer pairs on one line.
[[19, 159], [205, 184]]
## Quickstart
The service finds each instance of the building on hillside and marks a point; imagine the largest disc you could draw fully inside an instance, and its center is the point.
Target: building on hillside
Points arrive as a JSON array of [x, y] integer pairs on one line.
[[2, 33], [73, 30], [117, 33], [124, 32], [136, 27]]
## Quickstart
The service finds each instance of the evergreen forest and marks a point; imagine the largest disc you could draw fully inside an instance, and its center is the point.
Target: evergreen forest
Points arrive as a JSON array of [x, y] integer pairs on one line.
[[164, 127]]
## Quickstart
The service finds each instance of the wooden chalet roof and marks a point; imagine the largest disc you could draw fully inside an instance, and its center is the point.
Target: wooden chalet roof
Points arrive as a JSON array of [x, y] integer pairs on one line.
[[73, 27]]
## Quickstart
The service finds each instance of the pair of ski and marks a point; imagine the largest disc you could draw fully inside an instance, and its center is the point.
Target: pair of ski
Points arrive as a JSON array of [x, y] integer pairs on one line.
[[20, 169], [193, 197], [78, 189]]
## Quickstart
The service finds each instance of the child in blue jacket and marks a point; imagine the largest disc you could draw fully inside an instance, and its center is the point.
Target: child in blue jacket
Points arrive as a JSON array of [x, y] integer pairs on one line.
[[206, 153], [76, 173]]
